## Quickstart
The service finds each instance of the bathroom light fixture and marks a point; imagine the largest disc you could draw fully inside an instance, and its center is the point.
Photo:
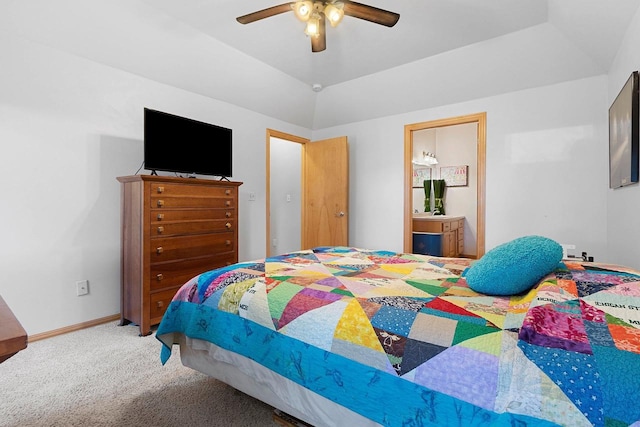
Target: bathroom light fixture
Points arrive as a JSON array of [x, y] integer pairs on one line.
[[428, 159]]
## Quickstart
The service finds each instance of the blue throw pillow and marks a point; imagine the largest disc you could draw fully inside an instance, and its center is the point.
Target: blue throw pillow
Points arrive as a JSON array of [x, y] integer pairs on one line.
[[515, 266]]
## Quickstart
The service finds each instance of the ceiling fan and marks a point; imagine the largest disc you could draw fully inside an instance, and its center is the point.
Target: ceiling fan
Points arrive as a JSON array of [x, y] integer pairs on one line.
[[315, 12]]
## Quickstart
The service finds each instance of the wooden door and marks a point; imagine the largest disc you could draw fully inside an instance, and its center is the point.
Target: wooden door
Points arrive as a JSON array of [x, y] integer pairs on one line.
[[325, 219]]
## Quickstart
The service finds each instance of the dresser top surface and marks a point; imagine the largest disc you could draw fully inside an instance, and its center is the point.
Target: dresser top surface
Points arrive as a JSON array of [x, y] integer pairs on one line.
[[176, 180]]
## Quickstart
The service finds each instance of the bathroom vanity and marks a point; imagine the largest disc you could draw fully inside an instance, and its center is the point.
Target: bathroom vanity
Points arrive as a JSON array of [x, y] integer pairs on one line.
[[438, 235]]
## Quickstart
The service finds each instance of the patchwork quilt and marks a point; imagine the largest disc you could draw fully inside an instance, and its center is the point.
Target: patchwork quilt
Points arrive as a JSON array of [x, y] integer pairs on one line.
[[402, 340]]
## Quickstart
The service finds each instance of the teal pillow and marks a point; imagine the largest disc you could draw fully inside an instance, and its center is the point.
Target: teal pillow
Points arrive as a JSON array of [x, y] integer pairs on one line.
[[515, 266]]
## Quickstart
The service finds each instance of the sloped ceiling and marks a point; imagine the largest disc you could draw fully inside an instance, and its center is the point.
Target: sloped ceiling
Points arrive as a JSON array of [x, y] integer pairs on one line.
[[440, 52]]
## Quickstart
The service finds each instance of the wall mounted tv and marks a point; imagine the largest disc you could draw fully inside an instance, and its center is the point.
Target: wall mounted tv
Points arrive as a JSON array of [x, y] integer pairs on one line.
[[178, 144], [624, 132]]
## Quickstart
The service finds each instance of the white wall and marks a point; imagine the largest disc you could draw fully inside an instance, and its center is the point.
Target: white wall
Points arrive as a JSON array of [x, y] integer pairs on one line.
[[286, 195], [545, 169], [68, 128], [623, 204]]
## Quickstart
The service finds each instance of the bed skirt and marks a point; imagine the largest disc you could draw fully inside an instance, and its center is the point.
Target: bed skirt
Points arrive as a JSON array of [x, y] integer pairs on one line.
[[253, 379]]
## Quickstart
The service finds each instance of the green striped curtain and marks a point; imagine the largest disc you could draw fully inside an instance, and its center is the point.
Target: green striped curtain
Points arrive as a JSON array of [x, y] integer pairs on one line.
[[427, 195], [439, 186]]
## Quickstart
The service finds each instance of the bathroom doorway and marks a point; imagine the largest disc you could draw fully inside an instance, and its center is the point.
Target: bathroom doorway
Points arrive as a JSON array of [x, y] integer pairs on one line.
[[423, 136]]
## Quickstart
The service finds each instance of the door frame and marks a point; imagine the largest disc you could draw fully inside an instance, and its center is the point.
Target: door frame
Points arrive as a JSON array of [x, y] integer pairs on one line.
[[481, 120], [271, 133]]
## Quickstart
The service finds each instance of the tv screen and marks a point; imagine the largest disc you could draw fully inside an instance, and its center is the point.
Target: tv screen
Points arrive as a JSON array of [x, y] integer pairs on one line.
[[178, 144], [624, 129]]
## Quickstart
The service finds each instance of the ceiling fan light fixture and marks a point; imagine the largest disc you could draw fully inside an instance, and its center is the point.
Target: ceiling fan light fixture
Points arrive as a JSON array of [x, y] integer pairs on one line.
[[334, 13], [313, 26], [303, 9], [315, 13]]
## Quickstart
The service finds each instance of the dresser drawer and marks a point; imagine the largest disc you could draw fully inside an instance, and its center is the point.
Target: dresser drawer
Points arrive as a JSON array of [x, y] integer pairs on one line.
[[186, 190], [177, 273], [427, 226], [192, 227], [168, 202], [166, 215], [159, 303], [174, 248]]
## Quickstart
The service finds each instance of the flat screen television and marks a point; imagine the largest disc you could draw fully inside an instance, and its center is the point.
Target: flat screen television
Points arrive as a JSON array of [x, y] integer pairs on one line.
[[624, 131], [178, 144]]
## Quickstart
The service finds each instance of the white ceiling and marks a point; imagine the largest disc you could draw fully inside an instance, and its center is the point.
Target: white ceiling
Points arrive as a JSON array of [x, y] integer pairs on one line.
[[426, 28], [357, 47], [198, 45]]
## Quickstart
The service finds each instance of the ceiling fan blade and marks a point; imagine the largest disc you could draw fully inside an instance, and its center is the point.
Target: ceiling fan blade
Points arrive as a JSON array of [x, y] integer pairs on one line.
[[370, 13], [319, 43], [265, 13]]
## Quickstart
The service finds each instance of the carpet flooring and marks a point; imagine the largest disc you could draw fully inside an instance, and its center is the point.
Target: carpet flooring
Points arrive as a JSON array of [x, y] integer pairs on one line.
[[109, 376]]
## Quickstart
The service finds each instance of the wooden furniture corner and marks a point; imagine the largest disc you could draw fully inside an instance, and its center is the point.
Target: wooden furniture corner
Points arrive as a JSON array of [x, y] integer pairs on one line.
[[13, 337]]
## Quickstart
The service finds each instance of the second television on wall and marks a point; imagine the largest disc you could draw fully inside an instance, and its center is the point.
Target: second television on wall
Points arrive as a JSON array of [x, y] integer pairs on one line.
[[624, 131]]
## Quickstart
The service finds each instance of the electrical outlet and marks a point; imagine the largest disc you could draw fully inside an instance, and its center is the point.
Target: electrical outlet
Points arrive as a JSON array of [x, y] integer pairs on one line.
[[565, 249], [252, 197], [82, 287]]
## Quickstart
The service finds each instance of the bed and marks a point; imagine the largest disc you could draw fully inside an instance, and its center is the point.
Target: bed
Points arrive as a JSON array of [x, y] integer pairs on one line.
[[341, 336]]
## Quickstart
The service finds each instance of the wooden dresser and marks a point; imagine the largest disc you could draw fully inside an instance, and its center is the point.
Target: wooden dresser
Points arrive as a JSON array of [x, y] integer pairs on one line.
[[451, 228], [172, 230]]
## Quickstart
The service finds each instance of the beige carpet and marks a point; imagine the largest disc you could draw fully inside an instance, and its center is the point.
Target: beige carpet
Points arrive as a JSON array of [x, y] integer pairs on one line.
[[109, 376]]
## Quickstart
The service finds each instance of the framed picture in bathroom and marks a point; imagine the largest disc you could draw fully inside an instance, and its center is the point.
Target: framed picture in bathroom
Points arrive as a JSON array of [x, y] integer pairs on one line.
[[419, 175], [455, 176]]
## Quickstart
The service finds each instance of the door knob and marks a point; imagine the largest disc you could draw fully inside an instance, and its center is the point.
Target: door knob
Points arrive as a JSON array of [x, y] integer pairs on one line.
[[340, 214]]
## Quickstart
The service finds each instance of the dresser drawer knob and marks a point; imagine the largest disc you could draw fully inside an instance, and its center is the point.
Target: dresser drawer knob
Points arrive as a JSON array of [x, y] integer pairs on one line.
[[228, 243], [228, 203], [160, 189], [228, 225], [159, 277], [160, 229], [159, 250], [228, 214], [227, 191], [160, 217], [160, 203], [160, 304]]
